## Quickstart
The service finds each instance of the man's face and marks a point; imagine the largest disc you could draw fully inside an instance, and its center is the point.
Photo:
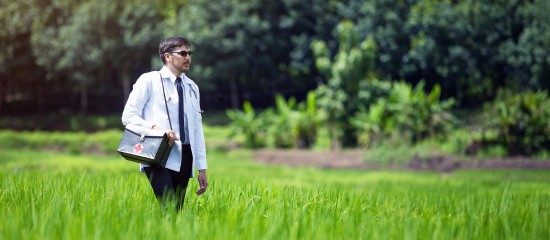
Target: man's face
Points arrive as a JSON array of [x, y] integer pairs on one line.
[[179, 59]]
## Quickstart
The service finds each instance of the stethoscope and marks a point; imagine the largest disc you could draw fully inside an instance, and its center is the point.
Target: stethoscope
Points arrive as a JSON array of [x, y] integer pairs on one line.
[[196, 98]]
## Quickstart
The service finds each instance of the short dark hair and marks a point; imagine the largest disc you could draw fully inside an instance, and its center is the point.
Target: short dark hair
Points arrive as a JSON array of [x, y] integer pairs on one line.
[[170, 43]]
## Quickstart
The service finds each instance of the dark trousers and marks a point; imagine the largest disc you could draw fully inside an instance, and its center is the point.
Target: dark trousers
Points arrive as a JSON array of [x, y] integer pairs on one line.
[[169, 186]]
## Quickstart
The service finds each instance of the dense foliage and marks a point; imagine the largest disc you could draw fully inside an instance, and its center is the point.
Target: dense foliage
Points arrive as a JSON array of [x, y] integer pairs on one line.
[[405, 115], [521, 123], [339, 97], [82, 56], [286, 125], [396, 112], [79, 55]]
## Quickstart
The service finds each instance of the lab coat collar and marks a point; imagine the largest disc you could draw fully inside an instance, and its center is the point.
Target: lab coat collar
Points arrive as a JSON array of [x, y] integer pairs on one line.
[[166, 73]]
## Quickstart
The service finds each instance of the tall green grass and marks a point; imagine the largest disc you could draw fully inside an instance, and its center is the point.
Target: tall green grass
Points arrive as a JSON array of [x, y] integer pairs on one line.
[[53, 195]]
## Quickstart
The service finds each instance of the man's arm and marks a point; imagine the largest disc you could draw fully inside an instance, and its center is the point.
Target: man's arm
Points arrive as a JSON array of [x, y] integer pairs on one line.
[[203, 182], [200, 164], [136, 102]]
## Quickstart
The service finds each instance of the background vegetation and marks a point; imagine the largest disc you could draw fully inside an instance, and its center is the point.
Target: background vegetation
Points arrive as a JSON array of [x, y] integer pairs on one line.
[[78, 55], [364, 73]]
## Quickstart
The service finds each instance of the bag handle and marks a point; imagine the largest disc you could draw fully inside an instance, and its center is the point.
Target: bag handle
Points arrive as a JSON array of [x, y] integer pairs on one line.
[[165, 103]]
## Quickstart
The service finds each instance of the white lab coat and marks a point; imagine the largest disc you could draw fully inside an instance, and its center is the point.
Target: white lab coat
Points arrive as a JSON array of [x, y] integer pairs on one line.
[[145, 107]]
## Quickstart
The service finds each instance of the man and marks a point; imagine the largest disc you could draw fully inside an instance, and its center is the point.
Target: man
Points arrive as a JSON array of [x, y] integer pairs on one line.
[[146, 107]]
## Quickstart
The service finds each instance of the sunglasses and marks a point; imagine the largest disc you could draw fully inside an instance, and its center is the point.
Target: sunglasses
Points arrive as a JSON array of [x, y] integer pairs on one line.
[[182, 53]]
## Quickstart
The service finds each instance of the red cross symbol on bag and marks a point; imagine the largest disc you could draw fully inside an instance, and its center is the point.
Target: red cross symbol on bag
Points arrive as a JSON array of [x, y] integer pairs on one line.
[[138, 148]]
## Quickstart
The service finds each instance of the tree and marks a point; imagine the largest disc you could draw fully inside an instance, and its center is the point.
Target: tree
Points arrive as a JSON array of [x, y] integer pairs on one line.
[[99, 39], [254, 48], [232, 41], [339, 98], [528, 56], [19, 72], [462, 45]]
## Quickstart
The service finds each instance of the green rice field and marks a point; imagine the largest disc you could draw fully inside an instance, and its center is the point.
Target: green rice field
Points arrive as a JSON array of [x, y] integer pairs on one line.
[[58, 195]]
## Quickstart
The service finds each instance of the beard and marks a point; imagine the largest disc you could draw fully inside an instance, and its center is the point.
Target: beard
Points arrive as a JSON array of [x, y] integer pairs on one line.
[[183, 67], [186, 67]]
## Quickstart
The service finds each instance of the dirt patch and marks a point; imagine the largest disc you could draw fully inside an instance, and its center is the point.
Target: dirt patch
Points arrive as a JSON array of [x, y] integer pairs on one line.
[[353, 159], [450, 163], [350, 159]]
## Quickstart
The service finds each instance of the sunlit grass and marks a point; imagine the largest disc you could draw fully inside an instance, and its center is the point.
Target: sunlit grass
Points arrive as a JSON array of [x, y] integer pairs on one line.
[[63, 195]]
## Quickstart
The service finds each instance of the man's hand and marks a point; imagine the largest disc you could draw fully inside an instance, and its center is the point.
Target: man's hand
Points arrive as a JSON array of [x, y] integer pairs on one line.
[[171, 134], [203, 183]]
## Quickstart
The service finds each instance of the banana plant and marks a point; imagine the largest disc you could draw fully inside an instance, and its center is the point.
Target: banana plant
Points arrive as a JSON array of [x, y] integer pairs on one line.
[[247, 123]]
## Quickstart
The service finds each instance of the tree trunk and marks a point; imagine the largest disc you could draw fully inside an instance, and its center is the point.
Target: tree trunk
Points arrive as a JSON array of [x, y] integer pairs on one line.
[[274, 89], [234, 93], [125, 81], [349, 139], [83, 98], [40, 97], [2, 87]]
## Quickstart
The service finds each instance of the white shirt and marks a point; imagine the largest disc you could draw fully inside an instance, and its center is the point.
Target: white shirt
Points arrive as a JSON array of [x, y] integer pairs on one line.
[[145, 107]]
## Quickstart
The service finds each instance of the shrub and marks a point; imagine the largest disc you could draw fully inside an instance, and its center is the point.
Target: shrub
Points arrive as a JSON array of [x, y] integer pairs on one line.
[[351, 64], [405, 114], [522, 123], [281, 122], [246, 123], [285, 126], [308, 122]]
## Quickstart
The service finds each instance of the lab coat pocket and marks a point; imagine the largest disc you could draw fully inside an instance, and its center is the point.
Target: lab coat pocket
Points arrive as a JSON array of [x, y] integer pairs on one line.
[[170, 98]]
